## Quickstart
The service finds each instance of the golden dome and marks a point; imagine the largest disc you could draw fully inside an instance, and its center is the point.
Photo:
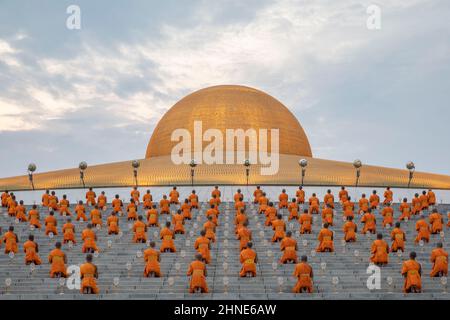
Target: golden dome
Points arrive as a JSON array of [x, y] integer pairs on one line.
[[230, 107]]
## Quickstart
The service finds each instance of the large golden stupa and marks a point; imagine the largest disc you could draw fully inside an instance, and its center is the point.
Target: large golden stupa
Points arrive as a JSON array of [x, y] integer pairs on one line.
[[222, 108]]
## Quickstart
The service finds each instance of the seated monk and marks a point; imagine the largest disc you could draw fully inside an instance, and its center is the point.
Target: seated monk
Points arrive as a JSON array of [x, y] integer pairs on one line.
[[10, 240], [12, 205], [279, 228], [135, 195], [186, 209], [305, 221], [132, 211], [398, 238], [379, 251], [327, 215], [203, 246], [152, 259], [33, 217], [148, 200], [405, 210], [436, 222], [50, 224], [88, 275], [325, 240], [90, 197], [164, 205], [178, 222], [423, 230], [45, 197], [167, 236], [80, 210], [216, 194], [239, 204], [193, 200], [117, 205], [249, 259], [210, 228], [363, 204], [388, 196], [423, 201], [263, 202], [350, 229], [257, 194], [271, 214], [140, 231], [289, 248], [439, 258], [174, 195], [64, 206], [369, 221], [214, 201], [212, 211], [304, 274], [31, 250], [197, 271], [152, 217], [57, 258], [314, 204], [412, 272], [21, 212], [4, 198], [431, 198], [238, 196], [68, 230], [343, 195], [328, 199], [283, 199], [89, 237], [300, 195], [239, 220], [416, 204], [244, 235], [388, 215], [348, 208], [53, 201], [96, 216], [113, 224], [293, 210], [102, 201], [374, 200]]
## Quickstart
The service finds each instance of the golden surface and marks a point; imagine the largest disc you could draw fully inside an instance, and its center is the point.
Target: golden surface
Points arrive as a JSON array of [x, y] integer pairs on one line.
[[230, 107], [159, 171]]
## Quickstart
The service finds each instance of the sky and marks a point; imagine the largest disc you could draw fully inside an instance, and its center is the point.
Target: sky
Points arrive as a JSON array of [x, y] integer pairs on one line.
[[96, 93]]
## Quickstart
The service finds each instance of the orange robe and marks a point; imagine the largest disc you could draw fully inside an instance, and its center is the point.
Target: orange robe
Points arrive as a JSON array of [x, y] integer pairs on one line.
[[135, 195], [300, 195], [178, 223], [50, 225], [263, 202], [329, 199], [431, 198], [349, 229], [193, 200], [283, 198], [247, 258], [271, 214], [374, 201], [167, 240], [343, 196], [89, 237], [398, 240], [117, 205], [33, 218], [423, 231], [306, 223], [45, 200], [303, 273], [87, 273], [90, 198], [210, 228], [348, 208], [279, 228], [417, 205], [289, 248], [96, 218], [152, 218], [327, 216], [212, 212], [436, 222], [405, 210], [148, 201], [244, 236], [151, 258], [325, 240], [313, 205], [439, 258], [64, 207], [369, 221], [411, 270], [363, 205], [81, 212], [101, 201], [388, 216], [132, 211], [379, 250], [293, 210], [388, 196], [68, 232], [56, 258], [4, 198], [53, 202], [423, 202], [197, 271], [21, 213], [10, 240], [140, 231], [174, 195], [256, 195], [164, 206], [31, 256], [113, 224], [202, 246], [186, 211]]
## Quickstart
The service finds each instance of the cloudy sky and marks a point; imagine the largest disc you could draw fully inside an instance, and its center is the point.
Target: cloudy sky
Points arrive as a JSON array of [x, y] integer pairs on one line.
[[95, 94]]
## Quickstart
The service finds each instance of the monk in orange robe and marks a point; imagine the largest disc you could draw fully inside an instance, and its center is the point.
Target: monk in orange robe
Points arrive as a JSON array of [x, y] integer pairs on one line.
[[313, 204], [21, 212], [256, 194], [117, 205], [412, 272], [69, 232], [216, 194], [374, 200], [215, 201], [300, 195], [132, 211], [57, 258], [349, 208], [210, 228], [96, 216], [167, 236], [198, 273], [279, 228], [405, 210], [238, 196], [193, 200], [11, 240], [293, 210], [164, 205], [388, 215], [325, 240], [436, 222], [423, 230], [152, 259], [89, 237], [388, 195], [416, 204], [4, 198], [45, 197], [283, 199], [135, 195], [369, 221], [64, 206], [12, 206], [363, 204], [50, 224], [152, 217], [89, 274], [113, 224], [398, 238], [140, 231], [102, 200], [431, 197], [239, 220], [350, 229], [328, 199], [249, 259], [174, 195], [33, 217], [31, 250], [148, 200], [203, 246], [305, 221], [178, 222], [271, 214], [90, 197], [289, 248], [186, 210], [212, 211], [343, 195], [80, 210], [244, 235], [239, 204], [327, 215], [379, 251], [263, 203], [423, 201], [304, 274], [439, 259]]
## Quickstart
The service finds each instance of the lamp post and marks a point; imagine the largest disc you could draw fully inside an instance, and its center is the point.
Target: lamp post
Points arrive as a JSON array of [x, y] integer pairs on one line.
[[247, 169], [192, 164], [411, 167], [357, 164], [83, 166], [303, 163], [31, 169], [135, 164]]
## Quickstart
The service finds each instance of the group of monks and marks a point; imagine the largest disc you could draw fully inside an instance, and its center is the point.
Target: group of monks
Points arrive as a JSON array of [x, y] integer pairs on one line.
[[97, 206]]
